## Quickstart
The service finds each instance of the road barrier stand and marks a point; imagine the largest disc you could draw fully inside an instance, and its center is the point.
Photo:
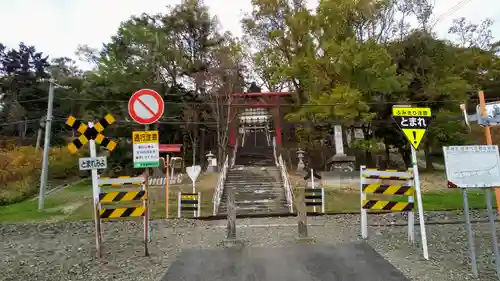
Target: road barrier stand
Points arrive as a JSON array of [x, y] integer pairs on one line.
[[130, 200], [312, 195], [189, 202], [374, 181]]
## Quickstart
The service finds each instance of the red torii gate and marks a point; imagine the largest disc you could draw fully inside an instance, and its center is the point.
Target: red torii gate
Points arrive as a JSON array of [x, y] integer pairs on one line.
[[258, 100]]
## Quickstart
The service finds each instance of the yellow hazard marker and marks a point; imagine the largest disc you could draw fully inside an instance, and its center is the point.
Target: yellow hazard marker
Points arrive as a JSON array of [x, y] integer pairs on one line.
[[122, 212], [387, 205], [388, 189], [117, 196]]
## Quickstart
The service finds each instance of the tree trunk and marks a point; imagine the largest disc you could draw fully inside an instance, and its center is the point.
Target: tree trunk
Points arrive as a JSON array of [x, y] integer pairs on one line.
[[406, 154], [387, 153], [428, 160], [202, 148]]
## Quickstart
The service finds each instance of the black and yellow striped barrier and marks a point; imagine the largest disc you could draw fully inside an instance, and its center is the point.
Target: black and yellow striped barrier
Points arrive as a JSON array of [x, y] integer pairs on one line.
[[93, 133], [378, 188], [119, 203], [112, 198], [314, 197], [380, 182], [122, 212], [188, 202], [387, 205], [117, 196]]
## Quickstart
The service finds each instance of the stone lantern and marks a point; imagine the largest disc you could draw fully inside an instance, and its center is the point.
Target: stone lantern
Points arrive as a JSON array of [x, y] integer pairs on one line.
[[300, 155], [212, 162]]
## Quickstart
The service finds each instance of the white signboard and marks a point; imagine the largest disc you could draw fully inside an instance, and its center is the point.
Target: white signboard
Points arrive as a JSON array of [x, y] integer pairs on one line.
[[193, 172], [146, 149], [90, 163], [472, 165]]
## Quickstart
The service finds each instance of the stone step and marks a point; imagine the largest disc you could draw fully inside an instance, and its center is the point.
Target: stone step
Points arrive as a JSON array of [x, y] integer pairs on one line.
[[255, 184], [255, 191], [255, 211]]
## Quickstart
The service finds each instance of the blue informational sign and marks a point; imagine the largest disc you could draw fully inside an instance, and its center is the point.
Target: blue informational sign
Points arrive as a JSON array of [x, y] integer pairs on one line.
[[492, 114]]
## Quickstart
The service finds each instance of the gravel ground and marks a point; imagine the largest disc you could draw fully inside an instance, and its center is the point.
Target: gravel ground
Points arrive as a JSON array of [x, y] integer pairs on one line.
[[65, 251]]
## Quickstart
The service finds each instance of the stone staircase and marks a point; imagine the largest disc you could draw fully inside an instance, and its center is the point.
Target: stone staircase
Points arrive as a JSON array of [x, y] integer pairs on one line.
[[255, 179], [257, 191], [255, 152]]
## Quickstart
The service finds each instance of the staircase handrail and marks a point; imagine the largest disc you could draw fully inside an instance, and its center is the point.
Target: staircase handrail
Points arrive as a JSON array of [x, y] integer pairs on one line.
[[235, 149], [274, 152], [286, 183], [219, 189]]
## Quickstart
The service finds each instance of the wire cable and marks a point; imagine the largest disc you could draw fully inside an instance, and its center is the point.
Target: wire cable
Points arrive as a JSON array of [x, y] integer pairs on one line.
[[280, 105]]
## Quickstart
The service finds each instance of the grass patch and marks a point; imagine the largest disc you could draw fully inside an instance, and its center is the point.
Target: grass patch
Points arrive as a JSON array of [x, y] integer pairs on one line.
[[349, 201], [75, 203]]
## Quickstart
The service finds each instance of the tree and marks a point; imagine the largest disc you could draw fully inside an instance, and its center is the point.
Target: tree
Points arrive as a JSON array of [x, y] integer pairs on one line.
[[21, 71]]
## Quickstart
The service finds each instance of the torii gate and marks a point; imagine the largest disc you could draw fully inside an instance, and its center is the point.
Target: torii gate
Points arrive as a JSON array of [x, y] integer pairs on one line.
[[270, 100]]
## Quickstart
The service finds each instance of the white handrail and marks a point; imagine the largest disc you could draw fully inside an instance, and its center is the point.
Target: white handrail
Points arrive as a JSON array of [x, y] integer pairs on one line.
[[219, 189], [274, 152], [286, 183], [235, 149]]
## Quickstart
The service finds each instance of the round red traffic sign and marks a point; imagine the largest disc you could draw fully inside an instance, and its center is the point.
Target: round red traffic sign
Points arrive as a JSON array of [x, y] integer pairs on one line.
[[146, 106]]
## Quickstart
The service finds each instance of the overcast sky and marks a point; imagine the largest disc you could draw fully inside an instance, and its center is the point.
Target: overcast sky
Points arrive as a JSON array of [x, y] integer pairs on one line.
[[56, 27]]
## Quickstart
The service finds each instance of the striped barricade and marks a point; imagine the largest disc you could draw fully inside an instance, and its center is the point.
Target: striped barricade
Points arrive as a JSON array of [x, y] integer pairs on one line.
[[314, 197], [188, 202], [381, 182], [128, 199]]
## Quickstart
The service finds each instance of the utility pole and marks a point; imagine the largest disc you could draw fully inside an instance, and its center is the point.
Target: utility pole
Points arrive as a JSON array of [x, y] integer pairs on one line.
[[46, 146]]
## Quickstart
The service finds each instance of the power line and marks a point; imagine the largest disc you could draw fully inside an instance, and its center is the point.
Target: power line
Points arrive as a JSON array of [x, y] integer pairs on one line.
[[450, 11], [18, 122], [280, 105]]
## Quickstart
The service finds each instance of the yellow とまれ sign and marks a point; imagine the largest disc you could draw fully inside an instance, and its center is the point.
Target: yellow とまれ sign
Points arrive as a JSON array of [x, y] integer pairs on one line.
[[413, 121]]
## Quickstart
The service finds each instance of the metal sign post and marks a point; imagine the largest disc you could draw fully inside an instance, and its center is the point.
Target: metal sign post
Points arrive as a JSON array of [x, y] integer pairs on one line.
[[91, 134], [413, 122], [95, 196], [475, 166]]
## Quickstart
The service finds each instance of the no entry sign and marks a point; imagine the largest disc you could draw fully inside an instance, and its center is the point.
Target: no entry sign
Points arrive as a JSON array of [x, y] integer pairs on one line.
[[146, 106]]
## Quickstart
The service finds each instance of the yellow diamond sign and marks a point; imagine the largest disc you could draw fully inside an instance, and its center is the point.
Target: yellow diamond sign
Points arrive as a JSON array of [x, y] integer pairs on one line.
[[413, 121]]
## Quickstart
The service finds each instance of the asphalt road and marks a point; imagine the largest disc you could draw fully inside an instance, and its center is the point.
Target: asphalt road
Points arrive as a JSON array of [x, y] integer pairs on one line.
[[345, 262]]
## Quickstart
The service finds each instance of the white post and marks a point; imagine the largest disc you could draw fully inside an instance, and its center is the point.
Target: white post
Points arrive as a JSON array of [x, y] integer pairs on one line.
[[194, 191], [95, 194], [178, 204], [419, 202], [312, 186], [411, 215], [323, 200], [199, 204], [364, 221]]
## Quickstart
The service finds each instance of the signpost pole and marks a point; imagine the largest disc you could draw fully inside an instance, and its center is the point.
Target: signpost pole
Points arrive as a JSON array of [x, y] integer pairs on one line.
[[487, 135], [470, 235], [419, 202], [95, 196], [146, 218], [493, 230], [167, 161], [312, 186]]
